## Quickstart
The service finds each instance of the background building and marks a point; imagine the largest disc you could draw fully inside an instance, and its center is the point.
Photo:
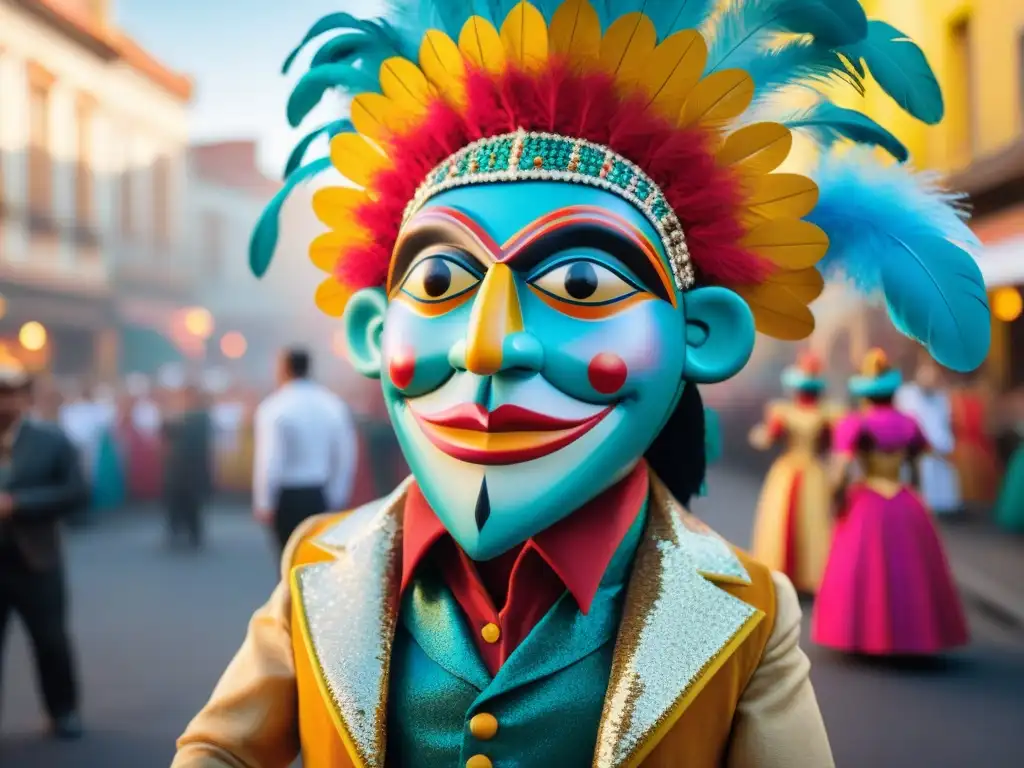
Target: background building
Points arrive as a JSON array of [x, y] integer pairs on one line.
[[91, 168]]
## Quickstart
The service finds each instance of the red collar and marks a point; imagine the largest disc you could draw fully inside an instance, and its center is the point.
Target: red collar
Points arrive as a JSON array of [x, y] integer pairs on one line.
[[578, 548]]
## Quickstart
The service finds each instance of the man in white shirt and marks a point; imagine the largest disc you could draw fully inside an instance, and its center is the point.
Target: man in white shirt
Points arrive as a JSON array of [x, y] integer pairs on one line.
[[305, 450]]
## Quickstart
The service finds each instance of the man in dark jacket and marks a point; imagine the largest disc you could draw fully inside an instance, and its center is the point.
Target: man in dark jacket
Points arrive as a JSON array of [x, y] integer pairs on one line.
[[187, 469], [40, 483]]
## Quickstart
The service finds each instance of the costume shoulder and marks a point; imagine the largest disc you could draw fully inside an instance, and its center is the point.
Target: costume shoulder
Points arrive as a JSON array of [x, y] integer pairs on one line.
[[313, 540]]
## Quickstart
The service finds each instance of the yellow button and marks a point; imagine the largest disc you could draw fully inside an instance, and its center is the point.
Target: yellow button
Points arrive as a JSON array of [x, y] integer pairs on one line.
[[490, 633], [479, 761], [483, 726]]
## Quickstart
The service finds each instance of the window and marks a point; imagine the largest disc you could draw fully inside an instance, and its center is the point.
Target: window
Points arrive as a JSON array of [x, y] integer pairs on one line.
[[213, 244], [40, 167], [959, 103], [84, 202], [162, 201]]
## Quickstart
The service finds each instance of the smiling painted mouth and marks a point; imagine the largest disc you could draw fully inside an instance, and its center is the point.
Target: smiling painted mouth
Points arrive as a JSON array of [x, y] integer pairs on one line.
[[507, 435]]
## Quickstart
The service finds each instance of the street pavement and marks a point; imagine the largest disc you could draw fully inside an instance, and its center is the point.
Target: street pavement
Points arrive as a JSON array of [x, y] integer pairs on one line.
[[155, 628]]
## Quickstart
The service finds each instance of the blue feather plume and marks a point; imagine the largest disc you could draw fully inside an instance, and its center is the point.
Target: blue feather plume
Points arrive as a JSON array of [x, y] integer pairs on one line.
[[898, 234], [826, 123], [264, 236], [801, 62], [747, 27], [901, 70]]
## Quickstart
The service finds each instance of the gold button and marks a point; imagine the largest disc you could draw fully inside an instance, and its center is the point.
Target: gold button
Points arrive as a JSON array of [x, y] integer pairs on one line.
[[490, 633], [483, 726], [479, 761]]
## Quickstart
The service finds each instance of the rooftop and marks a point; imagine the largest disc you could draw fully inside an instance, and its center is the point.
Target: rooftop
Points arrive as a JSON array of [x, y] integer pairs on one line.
[[232, 164]]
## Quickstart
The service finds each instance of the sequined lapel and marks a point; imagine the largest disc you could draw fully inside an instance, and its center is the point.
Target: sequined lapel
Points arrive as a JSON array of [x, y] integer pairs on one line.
[[678, 629], [347, 609]]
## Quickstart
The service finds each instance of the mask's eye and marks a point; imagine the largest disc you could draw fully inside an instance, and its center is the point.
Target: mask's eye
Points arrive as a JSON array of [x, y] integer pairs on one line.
[[438, 279], [584, 282]]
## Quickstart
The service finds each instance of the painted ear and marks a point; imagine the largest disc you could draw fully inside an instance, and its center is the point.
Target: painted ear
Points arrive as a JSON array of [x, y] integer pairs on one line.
[[363, 324], [719, 335]]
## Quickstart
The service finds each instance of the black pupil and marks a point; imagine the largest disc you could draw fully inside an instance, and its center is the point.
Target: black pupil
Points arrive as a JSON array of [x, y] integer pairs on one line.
[[581, 280], [438, 279]]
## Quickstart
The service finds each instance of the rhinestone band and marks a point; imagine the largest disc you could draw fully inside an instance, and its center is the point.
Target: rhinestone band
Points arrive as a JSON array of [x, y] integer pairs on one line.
[[523, 156]]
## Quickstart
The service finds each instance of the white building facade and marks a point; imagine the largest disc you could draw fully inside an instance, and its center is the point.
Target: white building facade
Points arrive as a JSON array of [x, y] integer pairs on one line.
[[92, 172]]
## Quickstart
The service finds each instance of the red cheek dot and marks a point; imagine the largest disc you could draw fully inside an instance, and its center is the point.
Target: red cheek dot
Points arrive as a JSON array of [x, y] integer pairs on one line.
[[607, 373], [402, 368]]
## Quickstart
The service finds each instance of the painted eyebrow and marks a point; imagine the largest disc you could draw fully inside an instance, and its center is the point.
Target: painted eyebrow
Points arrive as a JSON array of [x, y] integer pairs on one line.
[[436, 226], [569, 227], [588, 227]]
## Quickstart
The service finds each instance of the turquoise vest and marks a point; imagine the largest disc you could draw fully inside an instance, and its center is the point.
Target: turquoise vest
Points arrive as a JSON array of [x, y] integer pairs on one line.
[[547, 697]]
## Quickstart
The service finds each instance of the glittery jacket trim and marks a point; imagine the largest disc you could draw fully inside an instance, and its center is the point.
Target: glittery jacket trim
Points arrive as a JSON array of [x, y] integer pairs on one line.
[[677, 609], [524, 156]]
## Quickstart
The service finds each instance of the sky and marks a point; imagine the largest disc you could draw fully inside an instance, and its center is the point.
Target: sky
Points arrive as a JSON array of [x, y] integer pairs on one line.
[[234, 49]]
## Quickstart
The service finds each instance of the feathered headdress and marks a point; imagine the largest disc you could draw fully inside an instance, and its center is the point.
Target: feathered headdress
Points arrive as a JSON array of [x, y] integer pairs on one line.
[[673, 105]]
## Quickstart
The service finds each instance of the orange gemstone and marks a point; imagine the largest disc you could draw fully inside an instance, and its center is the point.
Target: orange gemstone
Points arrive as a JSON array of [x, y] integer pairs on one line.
[[538, 161]]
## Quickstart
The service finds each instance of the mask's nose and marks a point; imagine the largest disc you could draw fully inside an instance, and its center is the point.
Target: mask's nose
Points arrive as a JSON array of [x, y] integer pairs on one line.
[[494, 339]]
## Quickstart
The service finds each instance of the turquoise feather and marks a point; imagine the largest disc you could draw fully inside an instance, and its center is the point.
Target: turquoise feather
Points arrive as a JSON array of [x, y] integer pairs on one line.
[[308, 92], [901, 69], [336, 21], [897, 234], [264, 237], [348, 47], [801, 62], [826, 123], [747, 27], [330, 130], [936, 295]]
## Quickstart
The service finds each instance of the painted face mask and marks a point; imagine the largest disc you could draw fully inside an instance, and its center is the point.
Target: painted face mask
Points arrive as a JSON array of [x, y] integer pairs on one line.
[[561, 223]]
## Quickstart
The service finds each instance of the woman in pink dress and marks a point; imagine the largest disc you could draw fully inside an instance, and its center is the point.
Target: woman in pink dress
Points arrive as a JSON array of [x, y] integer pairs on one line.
[[887, 588]]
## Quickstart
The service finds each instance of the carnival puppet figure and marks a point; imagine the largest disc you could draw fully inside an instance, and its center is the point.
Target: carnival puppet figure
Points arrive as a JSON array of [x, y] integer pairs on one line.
[[887, 589], [564, 221], [793, 527]]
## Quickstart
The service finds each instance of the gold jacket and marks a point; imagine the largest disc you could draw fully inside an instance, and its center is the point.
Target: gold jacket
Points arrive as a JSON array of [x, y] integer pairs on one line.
[[707, 671]]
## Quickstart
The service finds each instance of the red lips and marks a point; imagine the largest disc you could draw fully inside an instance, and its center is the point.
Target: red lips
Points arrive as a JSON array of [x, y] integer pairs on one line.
[[504, 418]]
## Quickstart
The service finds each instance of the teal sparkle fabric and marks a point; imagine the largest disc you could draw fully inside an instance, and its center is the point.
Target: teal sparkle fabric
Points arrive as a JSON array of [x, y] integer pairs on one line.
[[547, 697]]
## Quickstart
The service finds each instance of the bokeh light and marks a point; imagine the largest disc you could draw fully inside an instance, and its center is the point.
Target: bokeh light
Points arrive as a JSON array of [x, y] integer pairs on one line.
[[32, 336], [199, 322], [1007, 304], [233, 345]]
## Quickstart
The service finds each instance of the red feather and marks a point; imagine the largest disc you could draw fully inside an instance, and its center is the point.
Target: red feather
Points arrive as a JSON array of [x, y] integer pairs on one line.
[[706, 198]]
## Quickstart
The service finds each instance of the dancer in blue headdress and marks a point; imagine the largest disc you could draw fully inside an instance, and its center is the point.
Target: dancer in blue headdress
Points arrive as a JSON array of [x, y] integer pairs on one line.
[[563, 219]]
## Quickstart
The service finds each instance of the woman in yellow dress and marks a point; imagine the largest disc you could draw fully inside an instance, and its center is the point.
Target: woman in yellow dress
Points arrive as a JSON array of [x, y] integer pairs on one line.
[[793, 527]]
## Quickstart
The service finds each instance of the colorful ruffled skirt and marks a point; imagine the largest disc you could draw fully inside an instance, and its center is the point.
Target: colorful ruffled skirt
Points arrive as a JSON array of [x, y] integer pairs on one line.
[[793, 528], [887, 588]]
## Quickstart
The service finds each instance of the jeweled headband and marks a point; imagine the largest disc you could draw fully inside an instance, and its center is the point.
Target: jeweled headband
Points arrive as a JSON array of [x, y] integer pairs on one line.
[[523, 156]]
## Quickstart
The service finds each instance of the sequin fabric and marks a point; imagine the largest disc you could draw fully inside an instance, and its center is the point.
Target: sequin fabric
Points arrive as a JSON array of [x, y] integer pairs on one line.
[[350, 606], [676, 626]]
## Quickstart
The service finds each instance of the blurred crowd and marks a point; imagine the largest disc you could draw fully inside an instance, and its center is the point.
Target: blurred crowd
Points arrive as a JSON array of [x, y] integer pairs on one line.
[[127, 434]]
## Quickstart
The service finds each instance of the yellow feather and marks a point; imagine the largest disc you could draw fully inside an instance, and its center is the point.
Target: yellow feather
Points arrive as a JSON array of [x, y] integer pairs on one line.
[[777, 315], [334, 206], [719, 97], [325, 251], [525, 36], [802, 284], [627, 46], [332, 296], [780, 195], [756, 149], [375, 116], [443, 65], [356, 159], [788, 243], [480, 43], [404, 84], [576, 32], [674, 69]]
